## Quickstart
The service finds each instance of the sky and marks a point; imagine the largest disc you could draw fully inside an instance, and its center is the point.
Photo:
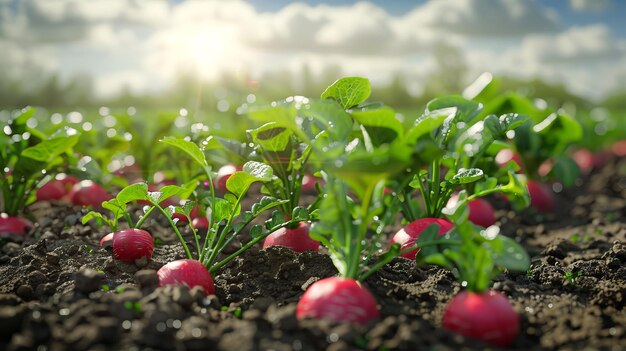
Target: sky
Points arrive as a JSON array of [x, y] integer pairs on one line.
[[144, 44]]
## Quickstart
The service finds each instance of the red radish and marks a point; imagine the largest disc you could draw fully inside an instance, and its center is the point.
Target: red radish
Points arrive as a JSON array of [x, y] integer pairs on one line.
[[619, 148], [186, 272], [132, 244], [406, 236], [480, 211], [338, 299], [486, 316], [223, 174], [506, 155], [57, 188], [14, 225], [308, 183], [586, 160], [200, 223], [297, 239], [107, 240], [88, 193], [541, 197]]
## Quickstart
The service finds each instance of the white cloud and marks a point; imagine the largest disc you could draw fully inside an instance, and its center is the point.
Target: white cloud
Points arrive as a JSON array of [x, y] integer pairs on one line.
[[576, 45], [485, 18], [590, 5], [145, 44], [58, 21]]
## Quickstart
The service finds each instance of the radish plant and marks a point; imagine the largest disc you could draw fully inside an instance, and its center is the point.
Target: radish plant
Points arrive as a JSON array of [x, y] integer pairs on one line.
[[475, 256], [26, 156], [226, 219], [287, 155], [452, 148], [356, 164], [540, 143]]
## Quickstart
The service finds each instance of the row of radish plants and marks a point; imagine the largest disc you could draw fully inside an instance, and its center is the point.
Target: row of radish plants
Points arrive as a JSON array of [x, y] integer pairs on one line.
[[362, 166]]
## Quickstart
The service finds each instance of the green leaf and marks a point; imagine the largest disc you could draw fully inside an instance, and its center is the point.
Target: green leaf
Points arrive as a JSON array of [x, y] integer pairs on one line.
[[509, 254], [247, 216], [271, 136], [256, 231], [133, 192], [277, 219], [466, 109], [239, 182], [427, 123], [464, 176], [516, 187], [566, 170], [348, 91], [174, 190], [222, 210], [118, 209], [380, 122], [300, 214], [188, 147], [429, 235], [265, 204], [47, 150], [511, 121], [94, 215], [188, 207], [25, 114], [258, 170]]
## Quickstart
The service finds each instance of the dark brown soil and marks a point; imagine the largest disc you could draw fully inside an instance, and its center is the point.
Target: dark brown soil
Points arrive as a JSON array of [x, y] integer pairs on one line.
[[60, 291]]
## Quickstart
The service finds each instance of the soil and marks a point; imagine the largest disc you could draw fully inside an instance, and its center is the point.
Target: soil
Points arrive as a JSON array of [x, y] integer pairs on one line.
[[60, 291]]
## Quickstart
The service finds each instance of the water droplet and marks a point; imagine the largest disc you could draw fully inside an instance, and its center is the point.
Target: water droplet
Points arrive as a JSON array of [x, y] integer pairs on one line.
[[127, 324], [196, 332], [464, 283], [103, 111], [64, 312]]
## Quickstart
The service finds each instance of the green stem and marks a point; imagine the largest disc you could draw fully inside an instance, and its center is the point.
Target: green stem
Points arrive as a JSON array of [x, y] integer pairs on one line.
[[425, 194], [434, 186], [221, 236], [355, 257], [143, 218]]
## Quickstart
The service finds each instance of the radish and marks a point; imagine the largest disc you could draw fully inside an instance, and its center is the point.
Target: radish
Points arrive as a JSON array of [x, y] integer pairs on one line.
[[200, 223], [541, 197], [186, 272], [132, 244], [338, 299], [56, 188], [619, 148], [406, 236], [308, 183], [14, 225], [297, 239], [480, 211], [88, 193], [486, 316]]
